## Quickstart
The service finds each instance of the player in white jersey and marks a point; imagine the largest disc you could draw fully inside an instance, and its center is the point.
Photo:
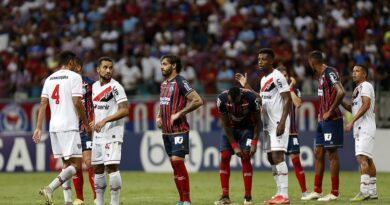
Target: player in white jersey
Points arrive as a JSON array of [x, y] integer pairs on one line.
[[276, 103], [364, 127], [110, 109], [62, 91]]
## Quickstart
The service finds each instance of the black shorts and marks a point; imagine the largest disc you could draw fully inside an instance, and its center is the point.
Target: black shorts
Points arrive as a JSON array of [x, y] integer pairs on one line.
[[177, 144], [293, 145], [243, 137], [86, 142], [330, 134]]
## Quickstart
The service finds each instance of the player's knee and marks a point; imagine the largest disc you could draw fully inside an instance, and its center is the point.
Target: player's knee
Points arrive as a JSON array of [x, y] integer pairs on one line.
[[319, 154], [87, 163]]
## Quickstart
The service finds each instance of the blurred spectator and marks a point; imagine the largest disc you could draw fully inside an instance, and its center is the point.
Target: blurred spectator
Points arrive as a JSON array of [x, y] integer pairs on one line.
[[225, 78]]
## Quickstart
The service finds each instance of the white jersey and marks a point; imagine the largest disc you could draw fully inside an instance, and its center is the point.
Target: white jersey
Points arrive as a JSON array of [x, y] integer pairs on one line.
[[59, 88], [365, 123], [105, 103], [272, 102]]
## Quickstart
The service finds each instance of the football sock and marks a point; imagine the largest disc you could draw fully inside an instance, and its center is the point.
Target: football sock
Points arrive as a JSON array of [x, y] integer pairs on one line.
[[78, 181], [100, 187], [65, 175], [364, 183], [183, 179], [90, 176], [335, 185], [175, 177], [224, 172], [372, 187], [67, 190], [247, 172], [276, 178], [115, 186], [282, 171], [318, 183], [299, 173]]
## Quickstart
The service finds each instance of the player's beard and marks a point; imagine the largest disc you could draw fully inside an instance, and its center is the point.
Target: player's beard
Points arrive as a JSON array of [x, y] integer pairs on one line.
[[167, 72], [106, 78]]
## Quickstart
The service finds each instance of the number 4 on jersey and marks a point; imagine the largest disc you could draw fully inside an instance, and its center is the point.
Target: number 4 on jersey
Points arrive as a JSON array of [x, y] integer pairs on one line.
[[56, 95]]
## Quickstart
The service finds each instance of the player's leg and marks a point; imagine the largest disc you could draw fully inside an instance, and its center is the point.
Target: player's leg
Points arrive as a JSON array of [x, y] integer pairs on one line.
[[334, 165], [87, 162], [364, 178], [98, 150], [372, 186], [224, 170], [114, 150], [244, 137], [78, 178]]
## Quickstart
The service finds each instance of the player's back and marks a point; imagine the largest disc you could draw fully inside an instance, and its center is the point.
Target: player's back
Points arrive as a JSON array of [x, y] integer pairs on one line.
[[60, 88]]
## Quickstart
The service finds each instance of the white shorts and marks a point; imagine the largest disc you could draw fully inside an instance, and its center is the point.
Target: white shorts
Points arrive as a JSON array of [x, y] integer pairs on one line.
[[107, 153], [66, 144], [275, 143], [364, 144]]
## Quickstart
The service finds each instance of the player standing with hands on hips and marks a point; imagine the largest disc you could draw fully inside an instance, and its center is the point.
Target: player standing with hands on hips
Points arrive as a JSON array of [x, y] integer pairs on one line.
[[177, 98]]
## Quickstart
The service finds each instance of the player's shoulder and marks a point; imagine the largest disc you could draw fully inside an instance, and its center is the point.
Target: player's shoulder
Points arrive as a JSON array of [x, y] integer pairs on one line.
[[330, 69], [247, 93], [223, 96], [180, 78], [367, 85]]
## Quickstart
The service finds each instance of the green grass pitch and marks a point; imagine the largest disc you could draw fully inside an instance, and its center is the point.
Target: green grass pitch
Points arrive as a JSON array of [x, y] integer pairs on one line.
[[159, 189]]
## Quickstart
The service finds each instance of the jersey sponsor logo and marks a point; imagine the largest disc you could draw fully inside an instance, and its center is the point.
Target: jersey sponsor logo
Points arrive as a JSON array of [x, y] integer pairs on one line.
[[105, 96], [178, 140], [13, 118], [101, 107], [280, 85], [328, 136], [266, 97], [333, 77], [320, 92], [165, 100], [59, 77]]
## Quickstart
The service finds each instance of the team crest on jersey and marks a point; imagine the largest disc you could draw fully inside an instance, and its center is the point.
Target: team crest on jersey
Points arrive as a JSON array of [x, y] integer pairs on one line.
[[13, 118], [105, 96]]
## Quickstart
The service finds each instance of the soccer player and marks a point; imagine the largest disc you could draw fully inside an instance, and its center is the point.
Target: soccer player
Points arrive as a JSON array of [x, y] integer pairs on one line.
[[62, 90], [276, 103], [330, 126], [86, 141], [240, 117], [177, 98], [364, 127], [110, 109], [293, 140]]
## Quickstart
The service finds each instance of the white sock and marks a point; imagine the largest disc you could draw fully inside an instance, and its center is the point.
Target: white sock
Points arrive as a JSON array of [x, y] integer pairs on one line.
[[100, 187], [276, 178], [283, 178], [64, 176], [116, 185], [372, 186], [67, 190], [364, 183]]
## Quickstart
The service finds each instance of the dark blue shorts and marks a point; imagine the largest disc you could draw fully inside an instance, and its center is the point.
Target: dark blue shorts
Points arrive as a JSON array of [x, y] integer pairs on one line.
[[293, 145], [86, 142], [330, 134], [177, 144], [243, 137]]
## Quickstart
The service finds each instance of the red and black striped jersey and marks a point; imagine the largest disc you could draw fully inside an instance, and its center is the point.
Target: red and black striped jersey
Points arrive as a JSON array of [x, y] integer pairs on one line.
[[87, 100], [327, 92], [240, 115], [173, 98]]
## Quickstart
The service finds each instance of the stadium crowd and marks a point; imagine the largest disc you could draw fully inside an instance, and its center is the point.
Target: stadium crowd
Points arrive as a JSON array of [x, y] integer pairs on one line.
[[215, 39]]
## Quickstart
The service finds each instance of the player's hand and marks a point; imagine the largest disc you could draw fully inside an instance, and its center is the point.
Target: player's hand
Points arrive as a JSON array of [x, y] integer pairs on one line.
[[174, 117], [348, 127], [238, 152], [159, 122], [280, 129], [326, 115], [88, 130], [99, 125], [37, 136], [242, 79], [253, 150], [293, 82]]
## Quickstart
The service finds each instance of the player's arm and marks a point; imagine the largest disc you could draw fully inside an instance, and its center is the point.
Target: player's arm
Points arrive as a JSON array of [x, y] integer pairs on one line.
[[243, 80], [159, 119], [195, 101], [340, 93], [346, 106], [81, 112], [286, 97], [366, 103], [123, 111], [41, 116], [229, 134], [294, 97], [256, 133]]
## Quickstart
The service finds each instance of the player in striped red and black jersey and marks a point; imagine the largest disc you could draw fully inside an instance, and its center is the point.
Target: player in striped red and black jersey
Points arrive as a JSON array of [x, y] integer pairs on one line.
[[177, 98], [293, 142], [86, 141], [330, 126], [240, 119]]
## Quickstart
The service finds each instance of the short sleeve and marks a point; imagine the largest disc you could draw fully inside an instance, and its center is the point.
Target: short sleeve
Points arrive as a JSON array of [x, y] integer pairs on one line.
[[254, 102], [281, 83], [76, 84], [119, 93], [221, 105], [184, 87], [45, 92], [332, 76], [367, 90]]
